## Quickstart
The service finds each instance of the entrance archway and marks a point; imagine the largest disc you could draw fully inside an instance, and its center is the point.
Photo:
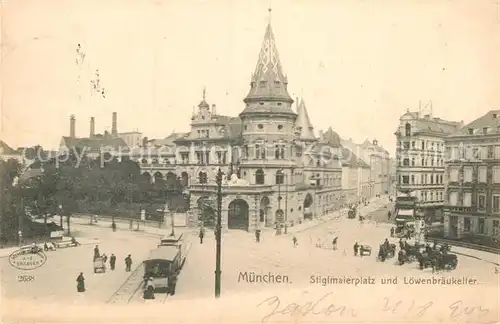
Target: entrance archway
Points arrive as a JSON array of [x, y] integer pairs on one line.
[[308, 201], [264, 210], [237, 217]]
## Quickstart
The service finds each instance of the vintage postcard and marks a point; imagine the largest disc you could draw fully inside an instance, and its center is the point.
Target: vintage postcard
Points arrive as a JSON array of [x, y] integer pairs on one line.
[[223, 161]]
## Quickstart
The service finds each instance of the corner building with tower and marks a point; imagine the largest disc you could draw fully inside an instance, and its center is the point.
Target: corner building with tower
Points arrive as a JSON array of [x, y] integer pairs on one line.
[[276, 171]]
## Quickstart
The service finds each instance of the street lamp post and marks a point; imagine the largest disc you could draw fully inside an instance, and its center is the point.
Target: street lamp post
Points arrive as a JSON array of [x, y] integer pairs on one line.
[[218, 236], [286, 203]]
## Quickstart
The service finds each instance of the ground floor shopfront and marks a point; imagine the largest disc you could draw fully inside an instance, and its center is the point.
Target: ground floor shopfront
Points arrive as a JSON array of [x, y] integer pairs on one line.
[[457, 225]]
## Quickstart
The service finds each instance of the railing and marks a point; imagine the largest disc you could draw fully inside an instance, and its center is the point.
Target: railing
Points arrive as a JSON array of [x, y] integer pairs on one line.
[[467, 245]]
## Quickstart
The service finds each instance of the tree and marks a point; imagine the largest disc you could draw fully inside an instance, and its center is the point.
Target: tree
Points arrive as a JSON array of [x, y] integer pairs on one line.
[[10, 208]]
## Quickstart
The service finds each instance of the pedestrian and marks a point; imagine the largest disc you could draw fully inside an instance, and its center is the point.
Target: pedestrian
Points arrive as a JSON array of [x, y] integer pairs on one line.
[[334, 243], [128, 263], [201, 235], [96, 252], [392, 231], [389, 215], [112, 261], [294, 240], [149, 292], [356, 246], [104, 257], [172, 282], [257, 235], [113, 226], [80, 286]]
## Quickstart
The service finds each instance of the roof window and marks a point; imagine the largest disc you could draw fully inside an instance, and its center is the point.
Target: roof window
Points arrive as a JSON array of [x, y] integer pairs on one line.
[[471, 131]]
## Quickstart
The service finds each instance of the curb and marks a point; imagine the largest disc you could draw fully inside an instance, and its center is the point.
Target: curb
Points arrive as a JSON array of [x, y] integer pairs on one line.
[[475, 257]]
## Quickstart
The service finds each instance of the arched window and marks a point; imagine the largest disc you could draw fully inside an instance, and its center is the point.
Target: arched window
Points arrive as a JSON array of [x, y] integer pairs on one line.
[[259, 177], [202, 177], [407, 129]]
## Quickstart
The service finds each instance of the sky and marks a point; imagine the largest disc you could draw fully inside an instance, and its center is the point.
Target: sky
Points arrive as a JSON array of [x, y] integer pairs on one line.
[[359, 65]]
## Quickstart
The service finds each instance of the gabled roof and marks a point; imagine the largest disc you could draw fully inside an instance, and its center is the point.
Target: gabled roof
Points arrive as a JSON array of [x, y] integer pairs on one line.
[[490, 121], [268, 80], [6, 149], [303, 123], [96, 143]]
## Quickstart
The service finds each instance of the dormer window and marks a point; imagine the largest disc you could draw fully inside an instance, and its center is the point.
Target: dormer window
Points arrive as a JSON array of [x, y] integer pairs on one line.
[[280, 127], [277, 83], [262, 83], [261, 103], [471, 131], [485, 130], [279, 103], [260, 126]]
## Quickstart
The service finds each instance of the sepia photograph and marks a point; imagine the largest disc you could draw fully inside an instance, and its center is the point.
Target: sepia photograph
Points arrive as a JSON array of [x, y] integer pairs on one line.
[[265, 161]]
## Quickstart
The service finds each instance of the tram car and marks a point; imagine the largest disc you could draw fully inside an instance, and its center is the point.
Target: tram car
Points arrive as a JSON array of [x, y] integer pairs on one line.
[[165, 261]]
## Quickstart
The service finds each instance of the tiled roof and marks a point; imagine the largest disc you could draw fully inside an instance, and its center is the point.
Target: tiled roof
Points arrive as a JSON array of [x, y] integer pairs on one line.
[[95, 144], [490, 121], [303, 123], [268, 80], [6, 149]]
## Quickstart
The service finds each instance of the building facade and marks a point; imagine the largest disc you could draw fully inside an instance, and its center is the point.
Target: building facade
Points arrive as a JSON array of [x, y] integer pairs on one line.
[[420, 161], [373, 167], [473, 179], [276, 171]]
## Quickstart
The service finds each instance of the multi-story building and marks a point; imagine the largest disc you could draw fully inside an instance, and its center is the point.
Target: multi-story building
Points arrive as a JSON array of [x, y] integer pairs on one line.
[[132, 139], [374, 167], [420, 158], [276, 170], [473, 178]]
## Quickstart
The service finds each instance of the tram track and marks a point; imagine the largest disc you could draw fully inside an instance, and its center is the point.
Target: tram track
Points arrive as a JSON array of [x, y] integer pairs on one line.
[[129, 289]]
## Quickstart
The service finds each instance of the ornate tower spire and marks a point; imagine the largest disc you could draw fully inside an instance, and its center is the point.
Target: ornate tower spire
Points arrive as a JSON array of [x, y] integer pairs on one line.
[[303, 123], [268, 83]]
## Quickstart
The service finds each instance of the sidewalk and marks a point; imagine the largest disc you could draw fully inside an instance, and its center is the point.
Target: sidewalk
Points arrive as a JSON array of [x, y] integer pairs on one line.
[[4, 253], [374, 204], [125, 226]]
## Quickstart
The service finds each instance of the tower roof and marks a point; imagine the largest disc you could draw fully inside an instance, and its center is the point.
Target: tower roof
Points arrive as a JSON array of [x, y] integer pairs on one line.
[[268, 81], [303, 123], [332, 138]]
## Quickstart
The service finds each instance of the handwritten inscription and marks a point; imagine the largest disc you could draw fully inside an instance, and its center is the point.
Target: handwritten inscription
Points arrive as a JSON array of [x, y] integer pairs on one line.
[[319, 307], [458, 311], [405, 310]]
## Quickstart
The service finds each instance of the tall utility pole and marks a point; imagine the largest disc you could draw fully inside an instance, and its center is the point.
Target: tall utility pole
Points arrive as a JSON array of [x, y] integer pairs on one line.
[[286, 203], [218, 232]]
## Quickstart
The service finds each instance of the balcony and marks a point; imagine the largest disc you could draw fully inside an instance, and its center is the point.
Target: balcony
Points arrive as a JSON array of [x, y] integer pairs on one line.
[[460, 209]]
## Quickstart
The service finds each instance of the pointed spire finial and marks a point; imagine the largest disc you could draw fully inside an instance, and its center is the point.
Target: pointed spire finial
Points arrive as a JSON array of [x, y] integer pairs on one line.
[[204, 92], [270, 11]]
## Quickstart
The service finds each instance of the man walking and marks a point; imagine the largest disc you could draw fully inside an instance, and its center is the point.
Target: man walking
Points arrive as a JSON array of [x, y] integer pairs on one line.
[[128, 263], [201, 235], [356, 247], [112, 261]]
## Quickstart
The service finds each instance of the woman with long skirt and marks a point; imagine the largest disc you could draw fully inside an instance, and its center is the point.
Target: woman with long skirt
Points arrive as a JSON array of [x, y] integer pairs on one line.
[[80, 286]]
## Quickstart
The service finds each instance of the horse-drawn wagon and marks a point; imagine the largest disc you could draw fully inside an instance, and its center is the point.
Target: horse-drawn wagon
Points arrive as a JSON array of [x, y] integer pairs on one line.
[[365, 250], [99, 265]]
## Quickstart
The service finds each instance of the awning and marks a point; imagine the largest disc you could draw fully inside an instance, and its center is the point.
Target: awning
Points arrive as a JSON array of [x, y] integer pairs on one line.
[[406, 212]]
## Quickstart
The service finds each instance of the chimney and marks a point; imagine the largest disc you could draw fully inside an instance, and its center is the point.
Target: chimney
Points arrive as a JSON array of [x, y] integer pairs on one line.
[[92, 127], [72, 126], [214, 110], [114, 129]]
